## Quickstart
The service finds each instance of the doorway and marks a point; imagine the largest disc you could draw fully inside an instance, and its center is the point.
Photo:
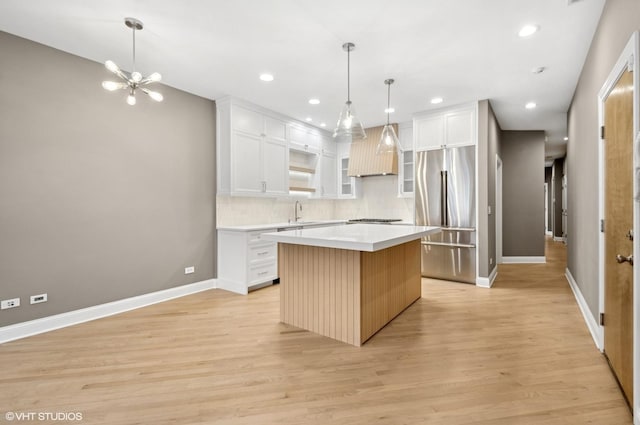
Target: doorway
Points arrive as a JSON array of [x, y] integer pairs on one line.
[[618, 118], [546, 209]]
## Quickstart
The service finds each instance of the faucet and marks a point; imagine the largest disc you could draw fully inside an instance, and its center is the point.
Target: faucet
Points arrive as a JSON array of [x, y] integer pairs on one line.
[[297, 206]]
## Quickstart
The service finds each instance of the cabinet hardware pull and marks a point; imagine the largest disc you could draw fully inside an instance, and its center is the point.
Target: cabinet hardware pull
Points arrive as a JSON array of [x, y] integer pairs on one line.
[[263, 253], [262, 273]]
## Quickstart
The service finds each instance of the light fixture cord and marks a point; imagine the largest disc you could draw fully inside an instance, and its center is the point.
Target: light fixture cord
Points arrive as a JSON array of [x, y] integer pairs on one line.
[[388, 101], [348, 74]]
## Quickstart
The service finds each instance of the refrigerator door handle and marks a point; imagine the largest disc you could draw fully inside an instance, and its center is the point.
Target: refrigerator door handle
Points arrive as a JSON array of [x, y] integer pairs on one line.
[[445, 218], [443, 198]]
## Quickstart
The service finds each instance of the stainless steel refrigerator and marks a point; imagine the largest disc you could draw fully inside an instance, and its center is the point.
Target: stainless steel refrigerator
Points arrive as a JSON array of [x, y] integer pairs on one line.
[[446, 196]]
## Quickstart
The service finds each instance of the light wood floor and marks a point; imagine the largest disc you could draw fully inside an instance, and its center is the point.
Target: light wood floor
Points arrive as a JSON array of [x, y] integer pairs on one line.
[[519, 353]]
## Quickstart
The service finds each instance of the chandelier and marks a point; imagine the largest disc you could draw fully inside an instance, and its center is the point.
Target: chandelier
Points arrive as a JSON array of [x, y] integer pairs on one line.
[[134, 80]]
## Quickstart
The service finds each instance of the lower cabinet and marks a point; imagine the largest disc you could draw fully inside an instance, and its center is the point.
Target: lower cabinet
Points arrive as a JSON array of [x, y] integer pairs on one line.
[[245, 261]]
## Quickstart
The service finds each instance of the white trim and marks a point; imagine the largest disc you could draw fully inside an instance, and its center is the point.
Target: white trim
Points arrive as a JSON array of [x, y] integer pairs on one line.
[[548, 233], [594, 328], [524, 260], [50, 323], [499, 210], [487, 282], [558, 239], [629, 58]]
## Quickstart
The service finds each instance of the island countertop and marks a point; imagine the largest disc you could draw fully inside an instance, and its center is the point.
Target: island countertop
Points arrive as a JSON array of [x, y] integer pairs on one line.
[[356, 237]]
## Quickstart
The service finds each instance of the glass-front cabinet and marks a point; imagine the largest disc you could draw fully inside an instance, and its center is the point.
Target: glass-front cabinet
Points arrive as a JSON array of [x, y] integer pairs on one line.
[[405, 160]]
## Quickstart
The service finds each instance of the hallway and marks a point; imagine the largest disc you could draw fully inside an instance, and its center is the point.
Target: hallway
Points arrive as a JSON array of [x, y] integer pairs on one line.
[[518, 353]]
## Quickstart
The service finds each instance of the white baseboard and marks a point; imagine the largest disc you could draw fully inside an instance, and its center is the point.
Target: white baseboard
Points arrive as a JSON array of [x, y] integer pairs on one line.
[[548, 233], [487, 282], [524, 260], [594, 328], [558, 239], [62, 320]]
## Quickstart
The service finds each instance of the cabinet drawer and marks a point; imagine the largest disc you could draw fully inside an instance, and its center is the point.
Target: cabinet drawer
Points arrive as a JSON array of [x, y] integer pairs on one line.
[[263, 273], [256, 237], [262, 252]]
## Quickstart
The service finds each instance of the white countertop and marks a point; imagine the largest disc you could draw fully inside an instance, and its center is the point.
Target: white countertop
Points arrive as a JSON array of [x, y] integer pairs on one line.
[[267, 226], [357, 237]]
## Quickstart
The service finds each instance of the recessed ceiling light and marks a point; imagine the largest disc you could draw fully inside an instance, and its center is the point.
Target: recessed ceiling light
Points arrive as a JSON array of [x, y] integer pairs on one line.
[[323, 124], [437, 100], [530, 105], [389, 110], [565, 139], [528, 30], [538, 70], [308, 119], [266, 77], [314, 101]]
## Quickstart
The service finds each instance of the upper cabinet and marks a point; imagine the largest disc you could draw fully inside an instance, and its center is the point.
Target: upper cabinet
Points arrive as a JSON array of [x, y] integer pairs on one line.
[[253, 155], [263, 153], [405, 160], [450, 127]]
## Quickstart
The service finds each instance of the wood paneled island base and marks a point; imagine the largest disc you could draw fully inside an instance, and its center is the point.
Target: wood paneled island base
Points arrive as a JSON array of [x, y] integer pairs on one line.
[[346, 294]]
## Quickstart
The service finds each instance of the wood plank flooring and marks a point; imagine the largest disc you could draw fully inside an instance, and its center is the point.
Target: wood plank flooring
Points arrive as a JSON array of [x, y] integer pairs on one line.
[[519, 353]]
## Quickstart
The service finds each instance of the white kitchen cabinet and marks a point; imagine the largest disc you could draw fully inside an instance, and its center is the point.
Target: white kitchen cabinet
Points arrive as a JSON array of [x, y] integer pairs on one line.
[[252, 150], [305, 138], [348, 187], [405, 160], [448, 127], [246, 261], [326, 177]]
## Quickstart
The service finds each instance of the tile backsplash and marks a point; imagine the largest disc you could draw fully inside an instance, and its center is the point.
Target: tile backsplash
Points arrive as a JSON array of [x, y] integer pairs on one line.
[[379, 199]]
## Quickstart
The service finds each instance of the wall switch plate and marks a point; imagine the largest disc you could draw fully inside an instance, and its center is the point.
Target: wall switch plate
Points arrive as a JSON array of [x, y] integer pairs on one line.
[[12, 303], [490, 261], [489, 209], [189, 270], [37, 299]]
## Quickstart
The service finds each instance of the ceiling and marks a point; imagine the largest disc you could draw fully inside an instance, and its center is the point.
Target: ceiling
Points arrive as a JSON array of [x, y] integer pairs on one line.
[[460, 50]]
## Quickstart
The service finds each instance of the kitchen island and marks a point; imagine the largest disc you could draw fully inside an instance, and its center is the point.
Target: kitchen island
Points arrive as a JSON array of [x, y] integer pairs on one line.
[[347, 282]]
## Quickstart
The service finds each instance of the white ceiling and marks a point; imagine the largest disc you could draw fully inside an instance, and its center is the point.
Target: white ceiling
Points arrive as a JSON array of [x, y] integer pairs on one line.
[[461, 50]]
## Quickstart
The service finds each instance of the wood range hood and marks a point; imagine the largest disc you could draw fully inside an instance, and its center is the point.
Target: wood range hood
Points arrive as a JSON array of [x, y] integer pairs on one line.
[[363, 159]]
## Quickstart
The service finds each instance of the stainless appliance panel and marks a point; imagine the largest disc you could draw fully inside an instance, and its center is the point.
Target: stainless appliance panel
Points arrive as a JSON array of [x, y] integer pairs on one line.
[[449, 236], [449, 262], [428, 182], [461, 186]]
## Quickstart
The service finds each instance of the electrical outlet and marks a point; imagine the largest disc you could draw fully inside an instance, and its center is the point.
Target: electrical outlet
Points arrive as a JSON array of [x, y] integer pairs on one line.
[[12, 303], [189, 270], [37, 299]]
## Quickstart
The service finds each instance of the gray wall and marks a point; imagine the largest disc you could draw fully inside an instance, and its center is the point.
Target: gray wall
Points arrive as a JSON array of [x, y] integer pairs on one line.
[[558, 173], [620, 18], [548, 173], [99, 200], [488, 145], [522, 154]]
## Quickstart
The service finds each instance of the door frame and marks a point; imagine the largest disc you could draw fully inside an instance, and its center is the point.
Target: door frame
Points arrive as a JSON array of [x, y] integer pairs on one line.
[[628, 59], [546, 208], [498, 210]]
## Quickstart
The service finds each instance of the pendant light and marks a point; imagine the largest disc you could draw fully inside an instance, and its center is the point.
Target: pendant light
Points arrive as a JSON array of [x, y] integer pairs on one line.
[[348, 123], [389, 140], [134, 80]]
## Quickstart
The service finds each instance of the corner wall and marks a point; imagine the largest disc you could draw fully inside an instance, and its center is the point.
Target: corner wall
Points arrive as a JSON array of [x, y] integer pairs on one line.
[[99, 201], [620, 18], [489, 134]]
